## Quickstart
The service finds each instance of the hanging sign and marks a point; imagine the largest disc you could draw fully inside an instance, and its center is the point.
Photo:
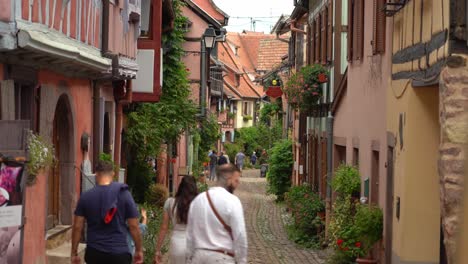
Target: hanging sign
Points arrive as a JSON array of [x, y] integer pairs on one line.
[[274, 92]]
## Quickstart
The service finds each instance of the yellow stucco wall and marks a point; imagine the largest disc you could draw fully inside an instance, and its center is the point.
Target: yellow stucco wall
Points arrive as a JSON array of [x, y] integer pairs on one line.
[[240, 114], [416, 235]]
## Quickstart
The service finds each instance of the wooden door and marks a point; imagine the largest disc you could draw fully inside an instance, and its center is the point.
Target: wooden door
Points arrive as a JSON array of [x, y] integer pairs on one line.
[[54, 181]]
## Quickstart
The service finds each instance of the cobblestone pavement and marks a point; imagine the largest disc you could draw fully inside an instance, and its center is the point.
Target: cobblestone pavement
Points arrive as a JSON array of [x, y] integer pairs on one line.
[[268, 242]]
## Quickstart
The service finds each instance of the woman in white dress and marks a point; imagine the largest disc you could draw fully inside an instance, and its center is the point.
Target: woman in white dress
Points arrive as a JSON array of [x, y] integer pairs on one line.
[[176, 210]]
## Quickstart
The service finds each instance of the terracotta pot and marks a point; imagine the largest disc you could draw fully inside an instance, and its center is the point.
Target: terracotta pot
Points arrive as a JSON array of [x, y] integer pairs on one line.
[[366, 261]]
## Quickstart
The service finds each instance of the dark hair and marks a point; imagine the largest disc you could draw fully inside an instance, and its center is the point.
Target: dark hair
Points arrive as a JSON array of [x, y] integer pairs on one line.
[[186, 192], [104, 166]]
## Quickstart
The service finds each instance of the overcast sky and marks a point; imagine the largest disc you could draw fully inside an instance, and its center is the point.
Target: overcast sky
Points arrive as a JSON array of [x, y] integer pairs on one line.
[[264, 13]]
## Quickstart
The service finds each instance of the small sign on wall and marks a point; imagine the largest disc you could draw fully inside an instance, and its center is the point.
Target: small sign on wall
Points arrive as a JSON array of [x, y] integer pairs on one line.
[[301, 169]]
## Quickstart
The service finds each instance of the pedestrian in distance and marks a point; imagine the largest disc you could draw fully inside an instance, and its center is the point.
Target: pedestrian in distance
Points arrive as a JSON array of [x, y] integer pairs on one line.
[[213, 165], [253, 158], [216, 227], [176, 211], [239, 161], [107, 209], [222, 159]]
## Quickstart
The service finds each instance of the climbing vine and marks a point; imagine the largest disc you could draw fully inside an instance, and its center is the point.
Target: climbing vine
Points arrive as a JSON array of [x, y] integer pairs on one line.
[[150, 124]]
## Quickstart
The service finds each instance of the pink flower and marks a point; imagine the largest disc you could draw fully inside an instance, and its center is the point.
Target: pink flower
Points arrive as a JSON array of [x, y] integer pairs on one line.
[[315, 93]]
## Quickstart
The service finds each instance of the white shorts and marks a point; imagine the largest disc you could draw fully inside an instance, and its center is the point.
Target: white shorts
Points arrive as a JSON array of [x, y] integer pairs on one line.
[[211, 257]]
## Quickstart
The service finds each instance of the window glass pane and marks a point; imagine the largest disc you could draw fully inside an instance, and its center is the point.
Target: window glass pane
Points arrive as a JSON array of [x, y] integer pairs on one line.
[[145, 17]]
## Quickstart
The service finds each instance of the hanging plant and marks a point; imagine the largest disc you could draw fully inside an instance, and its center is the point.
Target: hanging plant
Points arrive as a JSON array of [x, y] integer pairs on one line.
[[41, 156], [304, 90]]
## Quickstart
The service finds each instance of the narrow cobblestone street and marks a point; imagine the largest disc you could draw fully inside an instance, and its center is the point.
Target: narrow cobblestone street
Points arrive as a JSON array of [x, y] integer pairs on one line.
[[268, 242]]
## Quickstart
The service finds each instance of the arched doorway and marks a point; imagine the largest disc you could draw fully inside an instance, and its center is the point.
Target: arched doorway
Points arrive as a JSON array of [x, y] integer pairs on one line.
[[61, 180]]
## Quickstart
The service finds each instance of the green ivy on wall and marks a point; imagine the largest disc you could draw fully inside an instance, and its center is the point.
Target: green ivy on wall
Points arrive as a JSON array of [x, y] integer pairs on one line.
[[151, 124]]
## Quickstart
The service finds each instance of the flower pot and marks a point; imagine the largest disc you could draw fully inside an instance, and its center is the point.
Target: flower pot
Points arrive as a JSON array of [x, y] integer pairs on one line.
[[366, 261]]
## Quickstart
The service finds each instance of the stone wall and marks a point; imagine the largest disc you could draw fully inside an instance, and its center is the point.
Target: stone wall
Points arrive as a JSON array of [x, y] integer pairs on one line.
[[454, 130]]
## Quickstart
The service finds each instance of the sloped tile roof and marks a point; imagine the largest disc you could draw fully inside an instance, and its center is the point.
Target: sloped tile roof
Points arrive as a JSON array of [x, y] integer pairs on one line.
[[210, 8], [270, 52]]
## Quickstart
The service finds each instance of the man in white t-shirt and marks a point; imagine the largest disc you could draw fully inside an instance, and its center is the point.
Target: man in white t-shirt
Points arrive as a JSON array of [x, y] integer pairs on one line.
[[216, 227]]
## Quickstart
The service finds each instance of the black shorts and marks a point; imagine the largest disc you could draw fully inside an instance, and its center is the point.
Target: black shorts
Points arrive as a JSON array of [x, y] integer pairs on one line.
[[93, 256]]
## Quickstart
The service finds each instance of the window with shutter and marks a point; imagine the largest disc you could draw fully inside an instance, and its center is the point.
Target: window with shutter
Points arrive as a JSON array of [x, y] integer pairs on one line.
[[330, 32], [350, 29], [312, 42], [358, 29], [379, 24], [323, 36], [317, 39]]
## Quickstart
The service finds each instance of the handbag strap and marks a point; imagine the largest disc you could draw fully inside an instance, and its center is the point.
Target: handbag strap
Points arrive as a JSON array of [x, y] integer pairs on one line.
[[227, 227]]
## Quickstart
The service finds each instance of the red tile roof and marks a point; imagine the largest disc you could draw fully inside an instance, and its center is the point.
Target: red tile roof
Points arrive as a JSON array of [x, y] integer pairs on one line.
[[270, 53], [210, 8], [245, 88]]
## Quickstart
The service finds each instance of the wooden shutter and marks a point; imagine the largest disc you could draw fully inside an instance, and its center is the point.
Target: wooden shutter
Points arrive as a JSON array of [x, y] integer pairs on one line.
[[7, 100], [358, 29], [330, 32], [317, 39], [323, 36], [350, 29], [379, 25], [312, 42]]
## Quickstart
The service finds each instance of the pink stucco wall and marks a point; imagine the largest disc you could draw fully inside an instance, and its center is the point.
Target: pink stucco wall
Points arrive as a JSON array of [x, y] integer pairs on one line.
[[192, 60], [81, 93], [362, 112], [5, 10]]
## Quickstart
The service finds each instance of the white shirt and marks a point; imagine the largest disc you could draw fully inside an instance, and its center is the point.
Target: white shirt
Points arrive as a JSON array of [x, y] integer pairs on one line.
[[205, 231]]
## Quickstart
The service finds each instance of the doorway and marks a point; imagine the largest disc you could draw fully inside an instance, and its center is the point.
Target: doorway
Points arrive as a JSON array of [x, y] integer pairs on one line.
[[60, 189]]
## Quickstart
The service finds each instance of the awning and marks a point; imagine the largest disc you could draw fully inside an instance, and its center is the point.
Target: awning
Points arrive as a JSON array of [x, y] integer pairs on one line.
[[71, 53]]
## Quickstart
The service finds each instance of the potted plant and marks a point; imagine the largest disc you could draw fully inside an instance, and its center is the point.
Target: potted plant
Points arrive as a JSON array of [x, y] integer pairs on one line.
[[41, 156], [368, 223], [247, 118], [303, 90], [231, 115]]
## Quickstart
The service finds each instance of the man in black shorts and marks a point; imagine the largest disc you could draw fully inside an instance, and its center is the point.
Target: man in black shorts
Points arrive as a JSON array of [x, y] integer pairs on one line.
[[107, 209]]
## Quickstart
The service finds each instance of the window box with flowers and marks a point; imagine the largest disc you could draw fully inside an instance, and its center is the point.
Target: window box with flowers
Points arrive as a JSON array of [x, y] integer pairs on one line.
[[41, 156], [247, 118], [303, 90]]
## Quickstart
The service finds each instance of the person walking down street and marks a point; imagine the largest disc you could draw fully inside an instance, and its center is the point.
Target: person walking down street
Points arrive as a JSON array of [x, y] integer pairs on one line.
[[213, 164], [222, 159], [107, 209], [176, 211], [216, 227], [253, 158], [240, 157], [143, 230]]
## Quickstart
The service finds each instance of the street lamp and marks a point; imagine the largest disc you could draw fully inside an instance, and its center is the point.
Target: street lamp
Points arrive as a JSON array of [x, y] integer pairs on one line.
[[209, 37], [207, 43]]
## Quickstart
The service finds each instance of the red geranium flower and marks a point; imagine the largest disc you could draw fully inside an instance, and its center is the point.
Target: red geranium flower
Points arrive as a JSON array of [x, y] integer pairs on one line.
[[322, 78], [339, 242], [358, 244]]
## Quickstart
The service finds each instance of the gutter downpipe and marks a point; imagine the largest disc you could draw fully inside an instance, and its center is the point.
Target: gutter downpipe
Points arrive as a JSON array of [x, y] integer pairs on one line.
[[330, 120]]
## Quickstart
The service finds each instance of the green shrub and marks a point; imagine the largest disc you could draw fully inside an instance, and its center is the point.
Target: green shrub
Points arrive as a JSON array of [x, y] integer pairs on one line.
[[368, 224], [280, 169], [305, 207], [157, 195], [155, 217], [347, 181], [339, 257], [231, 150], [140, 176]]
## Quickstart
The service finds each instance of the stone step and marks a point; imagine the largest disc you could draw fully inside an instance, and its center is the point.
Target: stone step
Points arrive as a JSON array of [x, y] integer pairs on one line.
[[58, 236], [61, 254]]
